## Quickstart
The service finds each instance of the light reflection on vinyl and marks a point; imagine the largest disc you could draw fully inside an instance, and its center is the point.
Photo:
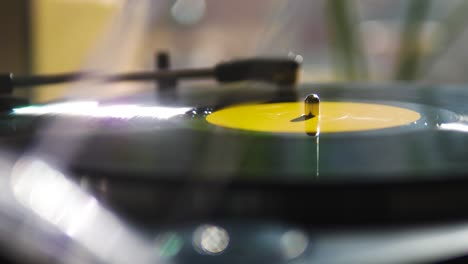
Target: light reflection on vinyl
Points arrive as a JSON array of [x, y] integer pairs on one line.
[[51, 195], [210, 239], [95, 110]]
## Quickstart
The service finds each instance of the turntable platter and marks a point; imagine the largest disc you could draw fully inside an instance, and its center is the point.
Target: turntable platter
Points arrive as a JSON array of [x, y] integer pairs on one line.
[[381, 173], [367, 133]]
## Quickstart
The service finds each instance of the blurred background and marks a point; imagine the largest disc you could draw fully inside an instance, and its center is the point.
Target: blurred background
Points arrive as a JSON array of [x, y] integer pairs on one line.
[[337, 40], [371, 41]]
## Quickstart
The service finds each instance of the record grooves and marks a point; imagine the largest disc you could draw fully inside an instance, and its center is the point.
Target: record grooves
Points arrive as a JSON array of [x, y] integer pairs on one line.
[[364, 177], [401, 174], [318, 205]]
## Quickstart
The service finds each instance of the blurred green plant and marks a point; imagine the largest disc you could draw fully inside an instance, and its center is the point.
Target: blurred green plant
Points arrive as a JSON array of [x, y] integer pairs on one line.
[[349, 58], [345, 42], [409, 54], [452, 26]]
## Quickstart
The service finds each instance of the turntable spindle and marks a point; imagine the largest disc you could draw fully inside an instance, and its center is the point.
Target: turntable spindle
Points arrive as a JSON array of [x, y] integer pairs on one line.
[[311, 106]]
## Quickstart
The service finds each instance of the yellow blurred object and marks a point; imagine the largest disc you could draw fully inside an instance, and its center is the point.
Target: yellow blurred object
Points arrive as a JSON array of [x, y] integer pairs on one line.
[[334, 117], [63, 33]]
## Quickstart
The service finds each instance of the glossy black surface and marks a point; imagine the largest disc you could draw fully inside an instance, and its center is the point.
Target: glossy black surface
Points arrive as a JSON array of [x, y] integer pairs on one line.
[[383, 176], [188, 145]]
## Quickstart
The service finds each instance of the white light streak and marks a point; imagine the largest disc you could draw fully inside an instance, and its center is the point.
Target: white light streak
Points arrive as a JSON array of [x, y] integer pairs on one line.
[[95, 110], [455, 126], [49, 194]]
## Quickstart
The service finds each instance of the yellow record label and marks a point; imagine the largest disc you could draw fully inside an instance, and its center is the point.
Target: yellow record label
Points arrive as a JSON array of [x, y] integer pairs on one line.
[[287, 117]]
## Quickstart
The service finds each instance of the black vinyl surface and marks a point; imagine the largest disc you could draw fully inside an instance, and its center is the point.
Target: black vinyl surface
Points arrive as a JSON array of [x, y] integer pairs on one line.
[[410, 173]]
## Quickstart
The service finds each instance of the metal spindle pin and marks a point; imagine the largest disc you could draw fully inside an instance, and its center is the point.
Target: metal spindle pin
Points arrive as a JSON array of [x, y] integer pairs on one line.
[[311, 105]]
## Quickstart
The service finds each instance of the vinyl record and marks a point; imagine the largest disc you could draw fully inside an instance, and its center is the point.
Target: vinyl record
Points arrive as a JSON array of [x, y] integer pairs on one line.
[[373, 154]]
